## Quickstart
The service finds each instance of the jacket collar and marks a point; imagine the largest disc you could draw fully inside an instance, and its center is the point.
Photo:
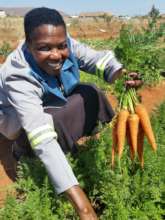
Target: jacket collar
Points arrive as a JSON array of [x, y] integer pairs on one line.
[[67, 64], [29, 58]]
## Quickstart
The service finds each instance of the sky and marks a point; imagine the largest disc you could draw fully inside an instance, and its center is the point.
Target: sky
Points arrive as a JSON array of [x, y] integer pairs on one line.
[[74, 7]]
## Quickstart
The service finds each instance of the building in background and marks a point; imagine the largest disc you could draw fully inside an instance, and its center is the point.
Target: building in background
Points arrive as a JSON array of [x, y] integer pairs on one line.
[[2, 14]]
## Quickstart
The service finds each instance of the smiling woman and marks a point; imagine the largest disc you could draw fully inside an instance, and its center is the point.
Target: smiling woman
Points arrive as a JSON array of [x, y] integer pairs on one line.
[[48, 108], [47, 42], [49, 48]]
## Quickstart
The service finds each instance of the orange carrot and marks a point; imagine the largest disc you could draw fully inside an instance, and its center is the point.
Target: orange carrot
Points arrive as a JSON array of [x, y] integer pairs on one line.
[[121, 130], [114, 143], [133, 124], [140, 145], [132, 153], [146, 125]]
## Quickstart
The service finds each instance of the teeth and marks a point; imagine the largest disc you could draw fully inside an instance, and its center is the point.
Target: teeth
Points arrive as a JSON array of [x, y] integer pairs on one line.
[[54, 65]]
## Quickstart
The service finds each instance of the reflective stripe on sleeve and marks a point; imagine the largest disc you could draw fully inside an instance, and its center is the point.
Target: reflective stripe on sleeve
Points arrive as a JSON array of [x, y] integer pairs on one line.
[[40, 134], [100, 65]]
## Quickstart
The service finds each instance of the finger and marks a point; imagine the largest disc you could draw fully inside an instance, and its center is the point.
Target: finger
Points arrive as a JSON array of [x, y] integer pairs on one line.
[[138, 83], [134, 75], [130, 82], [134, 83]]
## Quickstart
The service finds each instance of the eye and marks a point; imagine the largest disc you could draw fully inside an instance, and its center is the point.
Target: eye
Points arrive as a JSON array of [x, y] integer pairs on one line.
[[44, 48], [62, 46]]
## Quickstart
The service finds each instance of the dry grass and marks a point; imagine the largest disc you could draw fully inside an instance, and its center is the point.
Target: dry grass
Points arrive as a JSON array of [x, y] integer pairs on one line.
[[11, 30], [95, 29]]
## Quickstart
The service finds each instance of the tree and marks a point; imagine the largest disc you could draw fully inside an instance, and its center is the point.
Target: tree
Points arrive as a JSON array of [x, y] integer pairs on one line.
[[152, 19], [154, 13]]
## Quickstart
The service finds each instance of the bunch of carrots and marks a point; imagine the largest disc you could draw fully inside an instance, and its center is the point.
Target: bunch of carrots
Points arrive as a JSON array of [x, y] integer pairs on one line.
[[132, 123]]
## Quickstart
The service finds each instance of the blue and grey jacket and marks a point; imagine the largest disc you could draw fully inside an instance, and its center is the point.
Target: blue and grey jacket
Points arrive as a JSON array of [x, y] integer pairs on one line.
[[24, 89]]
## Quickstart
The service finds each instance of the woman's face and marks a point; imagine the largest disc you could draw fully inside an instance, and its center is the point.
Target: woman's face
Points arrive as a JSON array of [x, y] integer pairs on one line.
[[48, 46]]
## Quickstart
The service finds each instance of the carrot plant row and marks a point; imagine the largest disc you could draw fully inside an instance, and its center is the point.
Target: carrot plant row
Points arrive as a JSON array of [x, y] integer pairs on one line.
[[132, 123]]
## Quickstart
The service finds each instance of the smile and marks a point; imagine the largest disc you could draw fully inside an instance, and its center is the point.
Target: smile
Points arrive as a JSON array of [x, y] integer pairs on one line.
[[55, 65]]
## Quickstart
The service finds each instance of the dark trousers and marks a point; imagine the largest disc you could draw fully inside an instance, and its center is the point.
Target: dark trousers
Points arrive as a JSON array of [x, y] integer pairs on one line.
[[78, 117]]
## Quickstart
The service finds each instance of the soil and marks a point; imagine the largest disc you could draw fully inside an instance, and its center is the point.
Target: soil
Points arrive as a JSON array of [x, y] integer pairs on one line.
[[151, 97], [7, 169]]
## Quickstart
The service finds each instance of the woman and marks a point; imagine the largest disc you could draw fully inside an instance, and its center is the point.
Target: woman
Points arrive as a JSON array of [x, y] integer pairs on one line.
[[41, 96]]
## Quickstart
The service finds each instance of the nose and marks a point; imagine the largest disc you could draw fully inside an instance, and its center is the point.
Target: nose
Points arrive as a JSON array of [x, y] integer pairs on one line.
[[55, 54]]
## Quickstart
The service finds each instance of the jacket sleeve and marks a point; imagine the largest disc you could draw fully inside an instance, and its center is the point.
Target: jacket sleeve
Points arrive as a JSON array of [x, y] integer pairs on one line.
[[25, 96], [102, 63]]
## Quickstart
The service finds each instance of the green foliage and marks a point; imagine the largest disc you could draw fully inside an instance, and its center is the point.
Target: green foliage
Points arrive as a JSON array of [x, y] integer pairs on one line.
[[137, 53], [100, 44], [89, 78], [36, 197], [129, 193], [5, 49]]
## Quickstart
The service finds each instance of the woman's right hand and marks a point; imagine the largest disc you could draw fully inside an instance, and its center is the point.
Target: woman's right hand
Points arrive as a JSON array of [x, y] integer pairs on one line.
[[81, 203], [134, 80]]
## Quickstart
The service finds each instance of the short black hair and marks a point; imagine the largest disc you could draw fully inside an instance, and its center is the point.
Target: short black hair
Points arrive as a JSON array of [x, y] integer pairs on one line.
[[40, 16]]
